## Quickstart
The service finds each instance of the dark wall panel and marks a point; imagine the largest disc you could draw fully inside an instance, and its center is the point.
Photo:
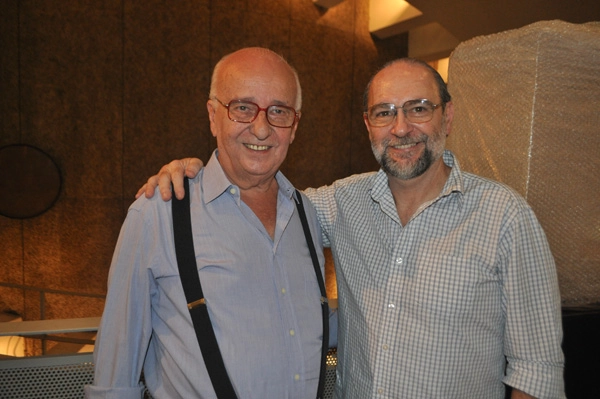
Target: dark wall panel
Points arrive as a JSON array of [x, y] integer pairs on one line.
[[166, 61], [112, 90], [9, 72]]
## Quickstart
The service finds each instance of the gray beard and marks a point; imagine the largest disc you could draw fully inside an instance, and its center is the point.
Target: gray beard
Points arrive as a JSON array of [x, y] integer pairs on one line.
[[390, 167], [417, 169], [428, 158]]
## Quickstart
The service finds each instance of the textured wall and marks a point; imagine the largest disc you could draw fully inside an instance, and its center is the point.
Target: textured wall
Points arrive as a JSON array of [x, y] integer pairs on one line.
[[113, 89]]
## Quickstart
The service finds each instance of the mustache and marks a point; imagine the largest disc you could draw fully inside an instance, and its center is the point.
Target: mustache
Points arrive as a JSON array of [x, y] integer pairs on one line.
[[405, 141]]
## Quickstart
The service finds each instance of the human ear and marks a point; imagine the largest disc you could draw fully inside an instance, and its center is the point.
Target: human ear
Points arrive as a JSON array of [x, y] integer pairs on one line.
[[211, 117]]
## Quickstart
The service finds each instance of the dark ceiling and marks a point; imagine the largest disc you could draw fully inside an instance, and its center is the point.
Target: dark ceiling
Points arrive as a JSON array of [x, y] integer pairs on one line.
[[466, 19]]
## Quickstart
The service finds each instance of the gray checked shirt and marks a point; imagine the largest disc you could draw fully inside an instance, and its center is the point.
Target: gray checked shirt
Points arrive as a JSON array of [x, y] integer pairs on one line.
[[458, 302]]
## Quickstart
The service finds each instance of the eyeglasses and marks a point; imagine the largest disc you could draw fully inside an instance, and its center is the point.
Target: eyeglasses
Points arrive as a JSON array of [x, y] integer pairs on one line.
[[415, 111], [246, 112]]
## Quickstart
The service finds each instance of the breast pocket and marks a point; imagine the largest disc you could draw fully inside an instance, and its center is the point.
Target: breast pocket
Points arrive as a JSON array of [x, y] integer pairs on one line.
[[444, 285]]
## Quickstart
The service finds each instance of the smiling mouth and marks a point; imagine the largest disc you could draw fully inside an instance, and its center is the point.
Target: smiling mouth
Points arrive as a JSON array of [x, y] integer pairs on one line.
[[257, 147], [404, 146]]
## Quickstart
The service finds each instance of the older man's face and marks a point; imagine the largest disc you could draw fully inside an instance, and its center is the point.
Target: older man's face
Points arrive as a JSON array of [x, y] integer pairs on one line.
[[251, 153]]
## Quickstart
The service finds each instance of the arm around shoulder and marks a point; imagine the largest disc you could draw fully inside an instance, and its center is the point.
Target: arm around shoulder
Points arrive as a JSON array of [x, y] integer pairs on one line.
[[171, 173]]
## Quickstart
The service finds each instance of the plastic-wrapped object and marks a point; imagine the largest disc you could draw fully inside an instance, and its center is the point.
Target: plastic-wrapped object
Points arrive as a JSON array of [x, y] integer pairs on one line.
[[527, 113]]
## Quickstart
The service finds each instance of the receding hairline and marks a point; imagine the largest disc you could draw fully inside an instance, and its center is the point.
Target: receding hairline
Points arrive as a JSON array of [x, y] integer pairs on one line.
[[439, 81], [263, 51]]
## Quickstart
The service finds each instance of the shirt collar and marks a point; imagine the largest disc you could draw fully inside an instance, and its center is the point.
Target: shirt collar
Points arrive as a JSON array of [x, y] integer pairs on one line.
[[215, 182], [455, 180]]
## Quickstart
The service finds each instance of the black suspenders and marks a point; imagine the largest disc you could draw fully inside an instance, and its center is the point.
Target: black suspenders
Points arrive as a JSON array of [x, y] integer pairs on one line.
[[188, 272], [324, 302]]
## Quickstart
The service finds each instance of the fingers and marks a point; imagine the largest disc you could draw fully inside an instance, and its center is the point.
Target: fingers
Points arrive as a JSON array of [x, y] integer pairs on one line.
[[171, 173], [141, 191], [150, 186], [163, 180], [188, 166], [192, 166]]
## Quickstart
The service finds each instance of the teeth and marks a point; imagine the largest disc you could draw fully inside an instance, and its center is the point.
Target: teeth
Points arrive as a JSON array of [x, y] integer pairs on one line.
[[405, 146], [257, 147]]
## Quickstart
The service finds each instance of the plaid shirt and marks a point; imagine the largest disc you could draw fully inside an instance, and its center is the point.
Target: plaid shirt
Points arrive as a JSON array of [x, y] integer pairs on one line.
[[436, 308]]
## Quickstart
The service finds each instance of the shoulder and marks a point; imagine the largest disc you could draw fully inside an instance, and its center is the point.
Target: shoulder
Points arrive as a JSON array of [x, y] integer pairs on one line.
[[474, 187], [154, 212], [475, 183], [351, 186], [493, 197], [355, 184], [145, 205]]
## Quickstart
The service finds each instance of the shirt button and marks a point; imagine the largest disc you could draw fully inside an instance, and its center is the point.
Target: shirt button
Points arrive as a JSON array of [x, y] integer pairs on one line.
[[232, 190], [283, 291], [385, 347], [398, 261], [380, 391], [391, 306], [292, 333], [297, 377]]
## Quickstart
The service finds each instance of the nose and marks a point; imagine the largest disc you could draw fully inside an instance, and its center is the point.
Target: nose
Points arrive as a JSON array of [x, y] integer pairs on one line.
[[400, 126], [261, 127]]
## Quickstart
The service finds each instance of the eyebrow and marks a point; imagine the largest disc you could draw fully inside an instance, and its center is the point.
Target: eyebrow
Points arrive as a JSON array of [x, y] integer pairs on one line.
[[394, 104]]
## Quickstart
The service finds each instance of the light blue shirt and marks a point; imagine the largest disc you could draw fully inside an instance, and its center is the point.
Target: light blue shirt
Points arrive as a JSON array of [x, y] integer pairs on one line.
[[262, 296], [432, 309]]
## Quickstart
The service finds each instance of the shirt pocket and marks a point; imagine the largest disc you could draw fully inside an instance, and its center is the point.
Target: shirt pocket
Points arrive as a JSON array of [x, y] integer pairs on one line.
[[444, 286]]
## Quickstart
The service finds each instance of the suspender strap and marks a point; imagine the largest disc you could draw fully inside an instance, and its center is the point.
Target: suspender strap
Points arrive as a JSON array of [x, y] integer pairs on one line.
[[188, 272], [324, 304]]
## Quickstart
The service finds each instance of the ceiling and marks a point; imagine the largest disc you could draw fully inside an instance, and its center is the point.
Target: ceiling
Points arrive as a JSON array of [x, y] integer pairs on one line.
[[436, 26], [466, 19]]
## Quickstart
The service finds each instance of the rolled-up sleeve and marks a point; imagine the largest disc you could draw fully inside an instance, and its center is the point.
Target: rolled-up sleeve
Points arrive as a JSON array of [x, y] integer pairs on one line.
[[533, 314], [125, 328]]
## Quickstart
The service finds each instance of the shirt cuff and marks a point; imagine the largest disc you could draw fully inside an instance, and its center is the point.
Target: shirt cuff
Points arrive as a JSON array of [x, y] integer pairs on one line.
[[541, 381]]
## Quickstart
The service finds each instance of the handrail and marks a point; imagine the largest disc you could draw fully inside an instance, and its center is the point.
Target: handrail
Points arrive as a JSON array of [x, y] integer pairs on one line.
[[53, 326]]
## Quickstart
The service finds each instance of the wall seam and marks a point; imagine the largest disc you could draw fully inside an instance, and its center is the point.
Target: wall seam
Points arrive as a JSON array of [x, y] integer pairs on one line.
[[20, 127], [123, 137]]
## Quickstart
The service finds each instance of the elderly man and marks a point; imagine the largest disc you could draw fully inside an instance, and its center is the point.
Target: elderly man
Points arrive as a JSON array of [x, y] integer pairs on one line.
[[259, 280], [447, 287]]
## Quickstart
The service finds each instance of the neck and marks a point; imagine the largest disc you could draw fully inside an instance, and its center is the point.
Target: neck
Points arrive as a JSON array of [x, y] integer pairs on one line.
[[410, 194], [262, 199]]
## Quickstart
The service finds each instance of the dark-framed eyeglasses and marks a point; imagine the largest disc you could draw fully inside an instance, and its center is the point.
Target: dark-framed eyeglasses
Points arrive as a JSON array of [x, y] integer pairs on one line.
[[415, 111], [246, 112]]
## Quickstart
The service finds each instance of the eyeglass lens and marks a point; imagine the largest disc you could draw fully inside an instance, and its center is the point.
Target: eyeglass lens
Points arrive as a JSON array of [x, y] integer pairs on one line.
[[415, 111], [246, 112]]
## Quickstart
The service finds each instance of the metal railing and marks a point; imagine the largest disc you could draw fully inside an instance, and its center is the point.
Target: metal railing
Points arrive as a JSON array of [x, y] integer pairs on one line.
[[49, 376], [64, 376]]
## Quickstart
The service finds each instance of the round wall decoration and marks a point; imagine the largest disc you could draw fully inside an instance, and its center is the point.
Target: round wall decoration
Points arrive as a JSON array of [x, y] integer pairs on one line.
[[30, 181]]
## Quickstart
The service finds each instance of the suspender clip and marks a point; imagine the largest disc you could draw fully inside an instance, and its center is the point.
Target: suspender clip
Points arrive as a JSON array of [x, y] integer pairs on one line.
[[199, 302]]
